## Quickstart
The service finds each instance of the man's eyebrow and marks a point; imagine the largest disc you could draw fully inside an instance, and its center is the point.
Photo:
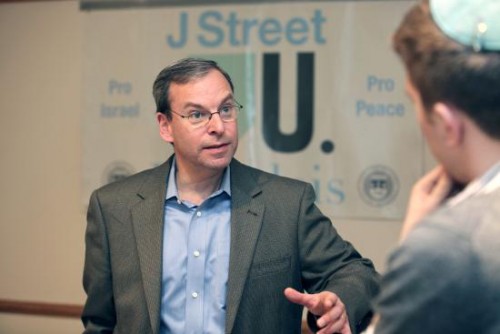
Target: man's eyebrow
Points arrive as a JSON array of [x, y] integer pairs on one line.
[[193, 105], [229, 97]]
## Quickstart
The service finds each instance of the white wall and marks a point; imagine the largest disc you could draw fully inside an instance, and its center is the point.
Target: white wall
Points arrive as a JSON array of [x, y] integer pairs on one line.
[[41, 217], [42, 221]]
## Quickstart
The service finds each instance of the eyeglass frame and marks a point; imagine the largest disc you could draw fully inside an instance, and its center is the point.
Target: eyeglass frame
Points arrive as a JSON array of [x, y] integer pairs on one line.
[[236, 105]]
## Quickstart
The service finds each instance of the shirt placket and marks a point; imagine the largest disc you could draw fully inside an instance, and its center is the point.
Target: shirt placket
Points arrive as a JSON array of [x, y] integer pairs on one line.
[[196, 260]]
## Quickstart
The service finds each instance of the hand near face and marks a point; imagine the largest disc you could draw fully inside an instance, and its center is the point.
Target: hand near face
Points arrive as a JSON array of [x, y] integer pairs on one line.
[[326, 306], [427, 194]]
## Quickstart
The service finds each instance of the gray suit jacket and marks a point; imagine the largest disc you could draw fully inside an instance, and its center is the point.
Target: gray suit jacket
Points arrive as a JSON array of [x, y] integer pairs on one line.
[[445, 277], [279, 239]]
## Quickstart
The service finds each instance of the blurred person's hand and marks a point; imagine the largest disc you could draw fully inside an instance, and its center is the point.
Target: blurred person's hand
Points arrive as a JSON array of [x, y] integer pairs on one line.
[[426, 195]]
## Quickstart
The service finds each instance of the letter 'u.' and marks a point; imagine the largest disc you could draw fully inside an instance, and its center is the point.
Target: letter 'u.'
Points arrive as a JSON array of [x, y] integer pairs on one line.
[[275, 139]]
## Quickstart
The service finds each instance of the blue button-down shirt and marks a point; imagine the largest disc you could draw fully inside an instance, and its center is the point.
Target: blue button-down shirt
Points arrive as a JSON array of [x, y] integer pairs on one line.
[[196, 243]]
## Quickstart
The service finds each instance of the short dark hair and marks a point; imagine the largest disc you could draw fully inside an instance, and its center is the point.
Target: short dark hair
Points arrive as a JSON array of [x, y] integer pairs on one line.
[[444, 70], [182, 72]]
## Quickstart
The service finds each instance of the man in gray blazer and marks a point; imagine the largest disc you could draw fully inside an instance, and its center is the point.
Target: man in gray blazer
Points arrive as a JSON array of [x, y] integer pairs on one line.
[[445, 275], [205, 244]]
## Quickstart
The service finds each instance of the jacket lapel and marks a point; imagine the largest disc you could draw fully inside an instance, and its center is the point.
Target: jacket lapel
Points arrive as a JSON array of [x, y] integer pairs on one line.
[[246, 219], [147, 219]]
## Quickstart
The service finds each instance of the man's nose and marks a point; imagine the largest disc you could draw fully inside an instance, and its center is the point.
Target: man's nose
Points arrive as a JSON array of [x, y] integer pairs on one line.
[[215, 123]]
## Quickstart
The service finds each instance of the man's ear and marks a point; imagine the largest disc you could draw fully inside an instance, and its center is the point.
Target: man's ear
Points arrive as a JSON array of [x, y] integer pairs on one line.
[[451, 123], [164, 127]]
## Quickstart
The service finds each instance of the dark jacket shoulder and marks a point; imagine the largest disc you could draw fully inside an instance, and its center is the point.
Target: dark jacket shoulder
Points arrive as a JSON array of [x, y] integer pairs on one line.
[[139, 184], [263, 178]]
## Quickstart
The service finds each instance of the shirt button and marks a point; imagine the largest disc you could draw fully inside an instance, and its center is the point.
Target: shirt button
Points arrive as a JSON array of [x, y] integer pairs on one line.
[[198, 213], [196, 253], [194, 295]]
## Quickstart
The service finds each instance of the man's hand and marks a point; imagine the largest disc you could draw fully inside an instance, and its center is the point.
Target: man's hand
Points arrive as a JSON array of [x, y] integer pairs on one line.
[[427, 194], [327, 306]]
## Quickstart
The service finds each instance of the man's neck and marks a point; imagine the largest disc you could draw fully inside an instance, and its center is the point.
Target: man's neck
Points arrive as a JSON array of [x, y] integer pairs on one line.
[[482, 153], [198, 188]]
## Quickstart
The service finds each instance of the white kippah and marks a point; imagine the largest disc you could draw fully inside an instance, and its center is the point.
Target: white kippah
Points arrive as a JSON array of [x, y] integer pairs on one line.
[[475, 23]]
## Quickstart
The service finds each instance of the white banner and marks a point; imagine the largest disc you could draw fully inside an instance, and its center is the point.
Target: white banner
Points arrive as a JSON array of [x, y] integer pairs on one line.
[[322, 90]]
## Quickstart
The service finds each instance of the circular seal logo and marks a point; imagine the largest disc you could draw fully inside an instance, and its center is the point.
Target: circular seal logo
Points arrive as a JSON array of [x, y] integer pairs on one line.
[[116, 171], [378, 185]]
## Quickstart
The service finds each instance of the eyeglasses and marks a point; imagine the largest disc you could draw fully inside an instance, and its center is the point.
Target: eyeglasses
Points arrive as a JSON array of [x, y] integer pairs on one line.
[[227, 113]]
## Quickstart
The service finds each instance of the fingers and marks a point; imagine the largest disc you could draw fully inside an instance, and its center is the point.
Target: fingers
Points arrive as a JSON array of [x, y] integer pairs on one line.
[[326, 305], [315, 303], [335, 329], [427, 182], [296, 297], [311, 301], [334, 315], [334, 321], [442, 187], [427, 194], [435, 182]]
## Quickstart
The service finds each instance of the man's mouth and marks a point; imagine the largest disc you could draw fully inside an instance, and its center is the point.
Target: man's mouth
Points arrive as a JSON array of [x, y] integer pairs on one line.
[[216, 147]]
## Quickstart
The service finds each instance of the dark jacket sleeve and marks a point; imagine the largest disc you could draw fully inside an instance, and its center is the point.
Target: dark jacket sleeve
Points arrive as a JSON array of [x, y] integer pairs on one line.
[[331, 263], [98, 314]]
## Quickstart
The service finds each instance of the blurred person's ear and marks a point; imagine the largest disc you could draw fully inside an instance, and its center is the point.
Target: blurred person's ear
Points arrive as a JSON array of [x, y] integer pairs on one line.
[[449, 122]]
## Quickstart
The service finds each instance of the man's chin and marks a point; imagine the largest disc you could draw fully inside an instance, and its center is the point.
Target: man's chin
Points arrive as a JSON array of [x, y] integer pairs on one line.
[[218, 163]]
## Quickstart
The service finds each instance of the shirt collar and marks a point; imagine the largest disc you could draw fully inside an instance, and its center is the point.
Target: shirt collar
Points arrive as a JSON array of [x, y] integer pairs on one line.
[[485, 184], [172, 191]]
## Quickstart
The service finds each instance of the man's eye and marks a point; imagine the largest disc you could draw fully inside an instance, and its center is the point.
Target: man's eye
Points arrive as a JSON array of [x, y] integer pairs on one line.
[[226, 109], [196, 114]]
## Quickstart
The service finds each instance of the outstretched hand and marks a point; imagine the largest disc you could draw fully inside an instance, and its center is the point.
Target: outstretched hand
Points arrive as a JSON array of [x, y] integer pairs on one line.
[[326, 306]]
